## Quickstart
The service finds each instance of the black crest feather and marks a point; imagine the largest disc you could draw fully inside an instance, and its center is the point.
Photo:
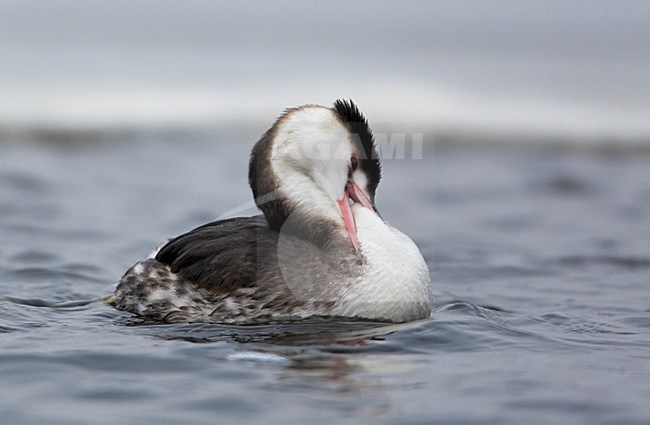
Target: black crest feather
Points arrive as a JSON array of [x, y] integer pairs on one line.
[[357, 124]]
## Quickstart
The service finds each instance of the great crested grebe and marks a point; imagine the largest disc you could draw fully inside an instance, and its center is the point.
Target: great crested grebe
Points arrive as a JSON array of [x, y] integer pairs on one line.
[[319, 249]]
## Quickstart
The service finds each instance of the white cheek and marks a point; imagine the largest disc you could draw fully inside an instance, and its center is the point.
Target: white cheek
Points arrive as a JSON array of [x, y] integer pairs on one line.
[[327, 156], [310, 159], [331, 178]]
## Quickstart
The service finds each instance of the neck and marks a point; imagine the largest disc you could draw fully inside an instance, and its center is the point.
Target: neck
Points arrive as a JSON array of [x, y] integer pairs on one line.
[[309, 213], [308, 216]]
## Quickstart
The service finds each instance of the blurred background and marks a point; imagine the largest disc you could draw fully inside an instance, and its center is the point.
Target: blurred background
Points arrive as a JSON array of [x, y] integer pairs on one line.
[[574, 71]]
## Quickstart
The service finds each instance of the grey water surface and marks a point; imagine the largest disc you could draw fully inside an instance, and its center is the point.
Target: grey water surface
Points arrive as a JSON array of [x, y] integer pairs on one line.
[[539, 258]]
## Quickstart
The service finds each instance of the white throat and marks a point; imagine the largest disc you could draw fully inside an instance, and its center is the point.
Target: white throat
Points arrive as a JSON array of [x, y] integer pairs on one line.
[[395, 284]]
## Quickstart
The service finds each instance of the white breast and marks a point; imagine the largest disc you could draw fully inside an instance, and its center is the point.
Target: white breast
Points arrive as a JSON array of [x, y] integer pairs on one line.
[[395, 283]]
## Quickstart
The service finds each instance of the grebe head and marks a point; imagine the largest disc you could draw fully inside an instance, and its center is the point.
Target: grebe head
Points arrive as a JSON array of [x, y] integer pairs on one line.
[[309, 166]]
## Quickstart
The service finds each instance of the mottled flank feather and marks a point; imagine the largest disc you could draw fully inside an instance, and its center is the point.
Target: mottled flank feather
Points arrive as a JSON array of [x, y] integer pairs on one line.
[[152, 291]]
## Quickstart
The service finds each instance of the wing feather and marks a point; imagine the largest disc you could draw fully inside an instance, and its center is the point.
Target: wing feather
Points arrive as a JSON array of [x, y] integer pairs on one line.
[[223, 255]]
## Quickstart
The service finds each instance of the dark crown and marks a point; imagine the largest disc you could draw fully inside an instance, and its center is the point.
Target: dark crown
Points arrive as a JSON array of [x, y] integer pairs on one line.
[[357, 124]]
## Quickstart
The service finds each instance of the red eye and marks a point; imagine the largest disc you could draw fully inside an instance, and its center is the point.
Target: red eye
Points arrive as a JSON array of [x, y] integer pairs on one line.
[[354, 163]]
